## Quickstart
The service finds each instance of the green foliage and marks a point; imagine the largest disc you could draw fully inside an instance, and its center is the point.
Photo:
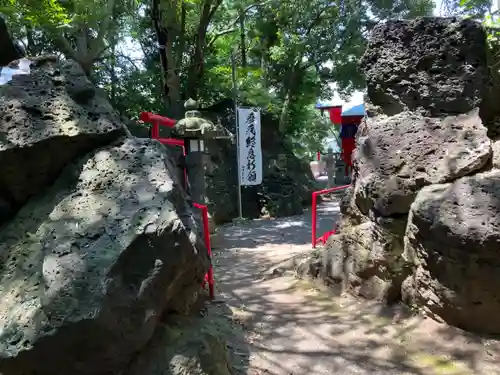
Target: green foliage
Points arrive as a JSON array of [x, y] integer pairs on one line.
[[492, 25], [468, 8], [37, 13], [288, 53]]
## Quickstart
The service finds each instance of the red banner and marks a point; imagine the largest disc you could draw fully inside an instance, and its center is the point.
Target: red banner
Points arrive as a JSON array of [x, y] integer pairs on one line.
[[348, 145], [335, 114]]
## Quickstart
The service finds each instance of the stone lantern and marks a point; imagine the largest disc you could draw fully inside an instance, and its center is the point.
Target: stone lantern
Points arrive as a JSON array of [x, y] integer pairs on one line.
[[196, 131], [340, 175], [329, 161]]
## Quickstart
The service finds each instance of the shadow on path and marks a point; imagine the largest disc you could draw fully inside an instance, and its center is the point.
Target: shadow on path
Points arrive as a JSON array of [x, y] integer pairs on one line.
[[300, 329], [291, 231]]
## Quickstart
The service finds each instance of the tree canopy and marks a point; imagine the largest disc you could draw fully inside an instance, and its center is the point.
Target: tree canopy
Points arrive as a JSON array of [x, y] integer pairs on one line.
[[154, 54]]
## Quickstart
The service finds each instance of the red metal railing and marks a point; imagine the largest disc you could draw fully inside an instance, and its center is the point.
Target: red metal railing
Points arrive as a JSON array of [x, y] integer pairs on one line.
[[209, 277], [156, 121], [325, 235]]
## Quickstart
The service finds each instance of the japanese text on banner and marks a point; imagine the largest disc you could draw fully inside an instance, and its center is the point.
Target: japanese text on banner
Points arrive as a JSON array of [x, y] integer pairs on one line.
[[250, 152]]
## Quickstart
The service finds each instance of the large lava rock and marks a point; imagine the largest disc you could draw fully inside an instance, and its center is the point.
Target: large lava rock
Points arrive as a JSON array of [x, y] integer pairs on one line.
[[425, 79], [185, 347], [357, 259], [47, 119], [398, 155], [88, 267], [421, 218], [433, 65], [452, 236]]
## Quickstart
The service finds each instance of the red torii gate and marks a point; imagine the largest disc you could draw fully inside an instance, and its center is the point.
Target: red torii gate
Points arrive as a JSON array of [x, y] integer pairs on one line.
[[156, 121], [349, 121]]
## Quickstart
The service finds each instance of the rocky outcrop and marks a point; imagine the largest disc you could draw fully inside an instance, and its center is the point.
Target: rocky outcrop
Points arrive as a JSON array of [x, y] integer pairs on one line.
[[47, 119], [103, 252], [398, 155], [420, 222], [185, 347], [452, 240], [357, 259], [409, 140], [97, 240], [436, 66]]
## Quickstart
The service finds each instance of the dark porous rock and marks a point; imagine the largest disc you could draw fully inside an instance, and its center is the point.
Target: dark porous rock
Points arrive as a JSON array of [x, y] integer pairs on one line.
[[281, 194], [422, 220], [495, 160], [453, 236], [351, 215], [184, 347], [47, 119], [88, 267], [396, 225], [396, 156], [222, 184], [365, 260], [433, 65]]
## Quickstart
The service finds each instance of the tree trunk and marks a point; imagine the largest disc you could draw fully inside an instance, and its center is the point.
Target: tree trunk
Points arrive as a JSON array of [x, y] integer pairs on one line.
[[173, 82], [243, 41], [112, 74], [290, 83], [170, 74], [196, 67]]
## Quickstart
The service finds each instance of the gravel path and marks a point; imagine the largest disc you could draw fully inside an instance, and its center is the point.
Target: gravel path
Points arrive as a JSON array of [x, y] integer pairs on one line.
[[294, 327]]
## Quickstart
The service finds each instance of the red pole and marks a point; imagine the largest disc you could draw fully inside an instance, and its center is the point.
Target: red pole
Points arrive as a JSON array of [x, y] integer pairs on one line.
[[314, 211], [331, 190], [318, 155], [155, 131], [206, 234], [314, 195], [156, 121]]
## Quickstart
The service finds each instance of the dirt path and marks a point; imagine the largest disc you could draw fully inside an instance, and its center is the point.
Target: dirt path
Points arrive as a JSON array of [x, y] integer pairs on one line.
[[294, 327]]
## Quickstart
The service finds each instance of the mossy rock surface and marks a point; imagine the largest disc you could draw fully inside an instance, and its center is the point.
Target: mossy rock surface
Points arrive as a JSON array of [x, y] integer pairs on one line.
[[192, 346]]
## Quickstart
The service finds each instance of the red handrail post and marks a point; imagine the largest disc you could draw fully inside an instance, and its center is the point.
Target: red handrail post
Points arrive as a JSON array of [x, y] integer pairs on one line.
[[209, 277], [315, 194], [155, 131]]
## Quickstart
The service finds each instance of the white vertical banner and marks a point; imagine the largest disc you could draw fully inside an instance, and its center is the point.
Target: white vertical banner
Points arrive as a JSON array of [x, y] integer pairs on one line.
[[249, 147]]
